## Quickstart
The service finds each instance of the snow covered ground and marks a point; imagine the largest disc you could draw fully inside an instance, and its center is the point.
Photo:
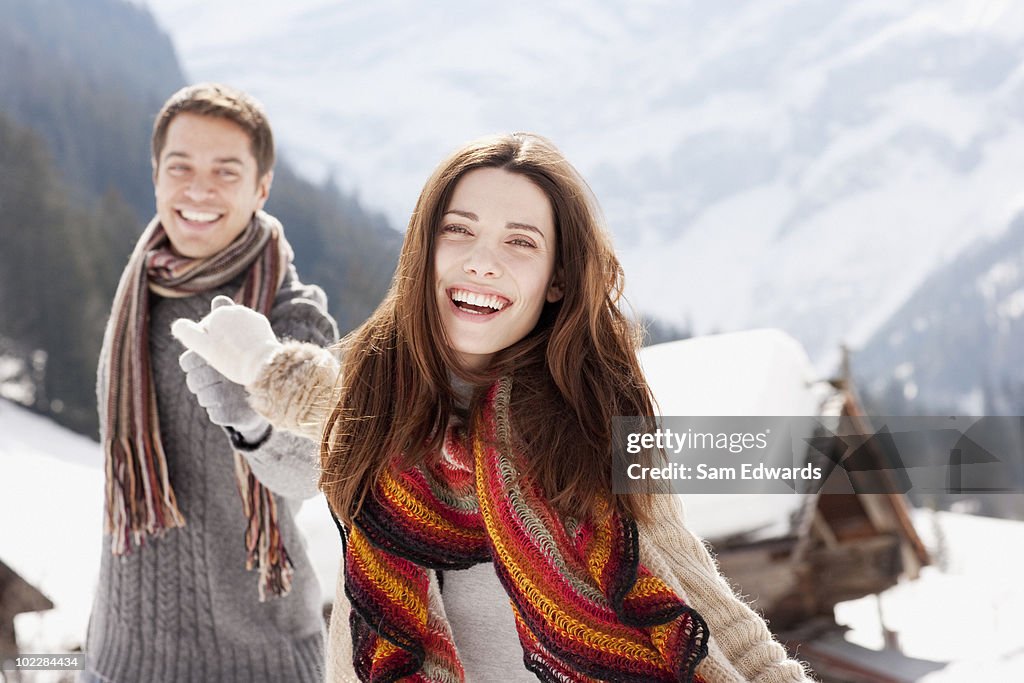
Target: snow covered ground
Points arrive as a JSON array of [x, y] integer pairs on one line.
[[966, 610], [51, 507], [969, 613]]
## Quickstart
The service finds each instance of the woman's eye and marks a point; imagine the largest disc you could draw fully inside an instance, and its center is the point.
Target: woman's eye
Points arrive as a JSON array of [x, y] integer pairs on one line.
[[457, 229], [522, 242]]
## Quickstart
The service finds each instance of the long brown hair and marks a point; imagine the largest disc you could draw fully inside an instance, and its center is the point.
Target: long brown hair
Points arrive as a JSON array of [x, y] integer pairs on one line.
[[576, 370]]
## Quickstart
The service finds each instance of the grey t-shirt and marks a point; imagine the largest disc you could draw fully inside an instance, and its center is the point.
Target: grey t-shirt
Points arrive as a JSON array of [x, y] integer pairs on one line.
[[483, 626], [481, 617]]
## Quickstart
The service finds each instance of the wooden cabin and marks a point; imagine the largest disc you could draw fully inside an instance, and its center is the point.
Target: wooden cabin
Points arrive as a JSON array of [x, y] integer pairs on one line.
[[837, 547], [793, 556]]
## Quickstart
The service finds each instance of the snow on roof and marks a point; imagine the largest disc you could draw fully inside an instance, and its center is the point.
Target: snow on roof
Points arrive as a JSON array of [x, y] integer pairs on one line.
[[754, 372]]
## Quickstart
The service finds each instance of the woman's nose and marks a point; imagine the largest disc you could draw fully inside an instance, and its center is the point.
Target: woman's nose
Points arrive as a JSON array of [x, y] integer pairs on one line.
[[481, 262]]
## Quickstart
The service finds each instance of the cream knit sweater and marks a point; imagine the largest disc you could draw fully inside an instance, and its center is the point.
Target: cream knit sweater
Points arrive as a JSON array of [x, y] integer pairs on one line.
[[296, 392]]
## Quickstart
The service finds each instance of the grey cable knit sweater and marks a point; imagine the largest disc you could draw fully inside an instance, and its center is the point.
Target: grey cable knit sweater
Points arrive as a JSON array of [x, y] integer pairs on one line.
[[183, 608]]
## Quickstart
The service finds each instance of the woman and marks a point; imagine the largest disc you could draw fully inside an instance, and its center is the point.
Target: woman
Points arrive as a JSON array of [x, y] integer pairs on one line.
[[471, 427]]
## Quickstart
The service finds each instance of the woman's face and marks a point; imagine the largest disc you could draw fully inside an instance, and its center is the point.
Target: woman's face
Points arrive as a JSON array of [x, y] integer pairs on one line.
[[494, 263]]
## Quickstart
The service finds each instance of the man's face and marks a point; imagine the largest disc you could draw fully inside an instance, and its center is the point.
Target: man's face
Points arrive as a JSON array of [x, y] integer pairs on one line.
[[206, 184]]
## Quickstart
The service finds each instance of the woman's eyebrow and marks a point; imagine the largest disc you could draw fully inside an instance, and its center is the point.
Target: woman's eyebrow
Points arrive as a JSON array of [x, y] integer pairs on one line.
[[524, 226], [508, 226], [465, 214]]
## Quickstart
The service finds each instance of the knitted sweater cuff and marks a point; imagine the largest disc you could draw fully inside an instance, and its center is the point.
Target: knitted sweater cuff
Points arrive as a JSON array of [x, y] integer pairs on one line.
[[247, 443], [296, 389]]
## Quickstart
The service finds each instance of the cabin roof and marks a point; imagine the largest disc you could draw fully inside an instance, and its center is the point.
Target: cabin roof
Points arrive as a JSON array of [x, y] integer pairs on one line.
[[17, 595]]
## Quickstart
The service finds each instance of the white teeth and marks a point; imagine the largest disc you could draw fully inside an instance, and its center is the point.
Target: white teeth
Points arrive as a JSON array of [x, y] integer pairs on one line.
[[488, 300], [199, 216]]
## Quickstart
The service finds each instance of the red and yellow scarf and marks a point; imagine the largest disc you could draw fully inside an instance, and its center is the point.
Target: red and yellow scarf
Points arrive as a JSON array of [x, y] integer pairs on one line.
[[139, 497], [585, 608]]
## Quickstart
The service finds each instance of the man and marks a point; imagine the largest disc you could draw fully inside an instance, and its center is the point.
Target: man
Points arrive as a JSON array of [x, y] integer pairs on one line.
[[205, 577]]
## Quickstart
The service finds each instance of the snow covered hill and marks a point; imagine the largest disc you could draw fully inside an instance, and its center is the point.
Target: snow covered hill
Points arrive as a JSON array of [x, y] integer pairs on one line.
[[51, 507], [787, 163]]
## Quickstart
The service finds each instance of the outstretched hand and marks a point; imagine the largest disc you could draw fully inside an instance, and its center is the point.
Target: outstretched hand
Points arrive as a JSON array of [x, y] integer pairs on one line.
[[235, 340]]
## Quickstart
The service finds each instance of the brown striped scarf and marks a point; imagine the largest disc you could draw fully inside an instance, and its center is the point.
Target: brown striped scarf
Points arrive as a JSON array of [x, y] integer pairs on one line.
[[139, 496]]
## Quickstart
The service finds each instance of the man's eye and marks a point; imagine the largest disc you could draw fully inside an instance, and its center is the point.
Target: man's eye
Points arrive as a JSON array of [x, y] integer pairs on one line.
[[227, 174]]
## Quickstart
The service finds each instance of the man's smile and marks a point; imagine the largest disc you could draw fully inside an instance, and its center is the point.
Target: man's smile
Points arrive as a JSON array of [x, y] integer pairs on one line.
[[199, 216]]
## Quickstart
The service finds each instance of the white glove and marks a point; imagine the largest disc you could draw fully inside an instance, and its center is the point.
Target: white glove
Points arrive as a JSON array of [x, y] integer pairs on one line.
[[237, 341]]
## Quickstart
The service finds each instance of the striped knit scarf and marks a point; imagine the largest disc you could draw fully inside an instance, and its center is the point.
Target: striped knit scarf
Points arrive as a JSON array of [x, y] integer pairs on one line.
[[584, 607], [139, 496]]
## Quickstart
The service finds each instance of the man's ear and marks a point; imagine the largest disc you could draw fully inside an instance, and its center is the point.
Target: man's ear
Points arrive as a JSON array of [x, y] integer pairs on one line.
[[263, 189], [153, 163], [555, 290]]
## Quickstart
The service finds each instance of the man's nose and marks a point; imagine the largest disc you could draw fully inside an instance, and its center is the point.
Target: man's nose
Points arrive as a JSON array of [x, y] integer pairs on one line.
[[198, 188]]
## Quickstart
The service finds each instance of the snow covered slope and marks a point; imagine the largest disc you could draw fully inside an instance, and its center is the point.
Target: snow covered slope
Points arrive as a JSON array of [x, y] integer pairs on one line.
[[51, 507], [956, 344]]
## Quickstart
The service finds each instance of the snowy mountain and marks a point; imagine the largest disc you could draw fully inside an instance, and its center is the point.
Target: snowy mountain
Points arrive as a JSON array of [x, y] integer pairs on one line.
[[781, 163], [956, 344]]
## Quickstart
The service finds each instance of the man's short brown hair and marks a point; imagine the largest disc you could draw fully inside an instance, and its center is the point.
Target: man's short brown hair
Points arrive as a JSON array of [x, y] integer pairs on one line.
[[214, 99]]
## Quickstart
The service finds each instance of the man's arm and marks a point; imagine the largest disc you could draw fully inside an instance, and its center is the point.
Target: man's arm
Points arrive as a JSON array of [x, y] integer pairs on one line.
[[235, 345], [286, 462]]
